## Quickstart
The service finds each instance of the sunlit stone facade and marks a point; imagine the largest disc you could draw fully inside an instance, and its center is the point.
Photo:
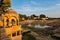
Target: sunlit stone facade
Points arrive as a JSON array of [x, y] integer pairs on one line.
[[10, 22]]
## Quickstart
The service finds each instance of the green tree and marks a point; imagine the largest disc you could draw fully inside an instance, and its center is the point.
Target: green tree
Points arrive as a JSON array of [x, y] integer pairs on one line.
[[22, 16], [32, 16], [4, 4], [42, 16]]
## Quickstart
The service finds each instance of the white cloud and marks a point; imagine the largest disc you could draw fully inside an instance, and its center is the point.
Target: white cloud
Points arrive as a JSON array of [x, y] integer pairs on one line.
[[35, 3], [58, 4], [30, 10], [53, 11]]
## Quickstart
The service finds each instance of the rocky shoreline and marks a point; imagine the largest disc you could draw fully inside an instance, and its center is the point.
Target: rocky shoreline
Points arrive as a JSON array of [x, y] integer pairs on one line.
[[47, 22], [52, 33]]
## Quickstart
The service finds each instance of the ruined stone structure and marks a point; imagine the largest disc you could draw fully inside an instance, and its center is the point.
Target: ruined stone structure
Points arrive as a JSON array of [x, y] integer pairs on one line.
[[10, 29]]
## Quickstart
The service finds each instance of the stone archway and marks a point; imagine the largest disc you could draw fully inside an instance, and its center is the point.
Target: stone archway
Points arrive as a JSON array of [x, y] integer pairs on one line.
[[13, 21]]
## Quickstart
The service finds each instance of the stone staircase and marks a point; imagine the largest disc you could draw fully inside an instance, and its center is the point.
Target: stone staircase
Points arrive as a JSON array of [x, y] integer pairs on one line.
[[3, 35]]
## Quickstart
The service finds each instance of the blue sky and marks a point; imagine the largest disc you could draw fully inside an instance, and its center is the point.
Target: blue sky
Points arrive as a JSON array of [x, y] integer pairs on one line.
[[51, 8]]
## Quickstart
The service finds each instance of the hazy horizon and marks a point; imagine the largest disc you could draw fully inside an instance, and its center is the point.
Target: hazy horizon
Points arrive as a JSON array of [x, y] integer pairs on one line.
[[51, 8]]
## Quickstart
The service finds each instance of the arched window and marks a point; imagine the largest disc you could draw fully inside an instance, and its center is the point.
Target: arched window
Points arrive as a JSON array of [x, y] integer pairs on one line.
[[7, 21], [18, 33], [0, 17], [17, 22], [13, 21], [14, 34]]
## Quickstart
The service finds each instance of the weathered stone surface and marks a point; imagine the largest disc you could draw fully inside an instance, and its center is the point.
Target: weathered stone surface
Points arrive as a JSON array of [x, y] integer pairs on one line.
[[3, 36]]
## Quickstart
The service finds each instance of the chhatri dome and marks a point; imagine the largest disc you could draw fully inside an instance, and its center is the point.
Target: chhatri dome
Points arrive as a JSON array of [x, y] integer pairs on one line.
[[11, 11]]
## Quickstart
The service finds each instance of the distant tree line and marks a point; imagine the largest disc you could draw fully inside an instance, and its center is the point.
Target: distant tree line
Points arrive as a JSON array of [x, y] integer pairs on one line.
[[32, 17]]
